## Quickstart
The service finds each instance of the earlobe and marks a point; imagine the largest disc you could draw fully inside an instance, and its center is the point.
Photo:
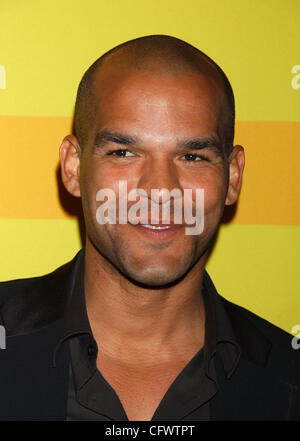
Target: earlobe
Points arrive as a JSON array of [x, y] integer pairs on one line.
[[236, 167], [70, 155]]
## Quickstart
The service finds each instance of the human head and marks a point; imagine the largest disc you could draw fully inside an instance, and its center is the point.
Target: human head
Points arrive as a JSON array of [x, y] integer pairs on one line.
[[154, 53], [158, 94]]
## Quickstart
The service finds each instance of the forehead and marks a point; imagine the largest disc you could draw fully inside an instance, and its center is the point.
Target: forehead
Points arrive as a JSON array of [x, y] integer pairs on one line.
[[156, 101]]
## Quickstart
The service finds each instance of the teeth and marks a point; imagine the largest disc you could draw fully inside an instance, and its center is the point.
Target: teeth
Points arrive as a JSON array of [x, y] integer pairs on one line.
[[152, 227]]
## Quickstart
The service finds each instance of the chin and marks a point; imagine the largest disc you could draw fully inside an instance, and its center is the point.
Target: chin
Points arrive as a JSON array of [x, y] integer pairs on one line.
[[157, 277]]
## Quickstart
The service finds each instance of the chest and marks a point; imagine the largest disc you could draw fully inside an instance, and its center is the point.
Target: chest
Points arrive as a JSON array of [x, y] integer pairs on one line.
[[140, 388]]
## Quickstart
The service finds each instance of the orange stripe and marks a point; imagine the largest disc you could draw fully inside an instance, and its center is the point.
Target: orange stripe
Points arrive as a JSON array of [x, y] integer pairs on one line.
[[270, 191], [29, 166]]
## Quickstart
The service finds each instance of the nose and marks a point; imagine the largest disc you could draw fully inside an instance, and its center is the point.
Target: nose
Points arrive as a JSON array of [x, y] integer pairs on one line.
[[160, 174]]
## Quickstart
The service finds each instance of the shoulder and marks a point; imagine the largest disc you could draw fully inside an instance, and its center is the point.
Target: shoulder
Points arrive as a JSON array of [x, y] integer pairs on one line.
[[250, 329], [241, 314], [258, 334], [12, 288], [30, 303]]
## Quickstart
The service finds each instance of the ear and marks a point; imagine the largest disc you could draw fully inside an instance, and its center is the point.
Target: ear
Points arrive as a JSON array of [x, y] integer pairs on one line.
[[70, 156], [236, 167]]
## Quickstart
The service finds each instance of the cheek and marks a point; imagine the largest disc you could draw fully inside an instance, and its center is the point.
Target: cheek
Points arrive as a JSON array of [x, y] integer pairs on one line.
[[101, 177], [214, 186], [106, 175], [95, 177]]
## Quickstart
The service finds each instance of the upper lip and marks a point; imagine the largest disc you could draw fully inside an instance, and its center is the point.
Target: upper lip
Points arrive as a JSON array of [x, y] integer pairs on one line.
[[159, 224]]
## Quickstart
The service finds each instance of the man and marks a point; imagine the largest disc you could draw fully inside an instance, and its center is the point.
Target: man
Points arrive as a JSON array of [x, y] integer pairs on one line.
[[133, 328]]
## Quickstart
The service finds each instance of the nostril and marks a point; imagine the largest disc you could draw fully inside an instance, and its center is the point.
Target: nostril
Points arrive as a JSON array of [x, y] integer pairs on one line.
[[163, 195]]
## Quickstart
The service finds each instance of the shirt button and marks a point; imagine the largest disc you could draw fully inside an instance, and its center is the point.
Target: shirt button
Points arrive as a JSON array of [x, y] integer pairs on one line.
[[91, 350]]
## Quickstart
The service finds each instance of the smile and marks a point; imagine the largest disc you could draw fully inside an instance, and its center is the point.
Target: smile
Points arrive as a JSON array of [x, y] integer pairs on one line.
[[152, 227], [157, 232]]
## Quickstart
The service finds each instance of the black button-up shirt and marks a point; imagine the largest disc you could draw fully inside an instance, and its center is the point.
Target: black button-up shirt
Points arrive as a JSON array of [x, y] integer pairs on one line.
[[92, 398]]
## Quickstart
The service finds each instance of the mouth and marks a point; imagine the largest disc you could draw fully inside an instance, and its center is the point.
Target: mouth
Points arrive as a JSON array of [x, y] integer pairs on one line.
[[157, 227], [157, 232]]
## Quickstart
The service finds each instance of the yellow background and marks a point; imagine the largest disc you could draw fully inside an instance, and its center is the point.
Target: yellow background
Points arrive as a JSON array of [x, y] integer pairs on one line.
[[45, 48]]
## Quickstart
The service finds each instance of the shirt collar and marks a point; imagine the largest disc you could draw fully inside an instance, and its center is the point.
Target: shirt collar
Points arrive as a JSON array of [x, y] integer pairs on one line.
[[219, 334], [76, 319]]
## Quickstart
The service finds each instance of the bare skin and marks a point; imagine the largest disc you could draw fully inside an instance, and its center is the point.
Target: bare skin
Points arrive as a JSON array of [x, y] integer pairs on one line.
[[143, 294], [145, 338]]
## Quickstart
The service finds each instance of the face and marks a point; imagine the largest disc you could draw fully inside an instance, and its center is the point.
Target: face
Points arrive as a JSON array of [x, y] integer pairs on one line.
[[155, 131]]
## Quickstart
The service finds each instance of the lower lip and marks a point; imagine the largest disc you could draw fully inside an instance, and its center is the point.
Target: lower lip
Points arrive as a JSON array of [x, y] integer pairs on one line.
[[158, 234]]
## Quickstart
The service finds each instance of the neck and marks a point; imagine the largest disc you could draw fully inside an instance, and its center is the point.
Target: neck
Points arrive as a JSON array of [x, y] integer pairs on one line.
[[124, 315]]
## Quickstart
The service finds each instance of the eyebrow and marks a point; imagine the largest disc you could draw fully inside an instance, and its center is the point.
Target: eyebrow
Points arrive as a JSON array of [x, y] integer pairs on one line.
[[201, 143], [106, 136]]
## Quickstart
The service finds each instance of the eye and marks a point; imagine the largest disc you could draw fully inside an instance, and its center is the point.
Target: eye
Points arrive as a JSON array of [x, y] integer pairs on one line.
[[121, 153], [191, 157]]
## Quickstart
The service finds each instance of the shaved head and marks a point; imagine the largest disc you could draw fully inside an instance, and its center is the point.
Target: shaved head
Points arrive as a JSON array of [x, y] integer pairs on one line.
[[154, 113], [160, 54]]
